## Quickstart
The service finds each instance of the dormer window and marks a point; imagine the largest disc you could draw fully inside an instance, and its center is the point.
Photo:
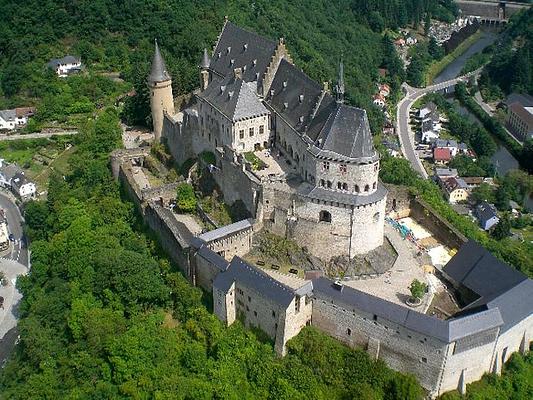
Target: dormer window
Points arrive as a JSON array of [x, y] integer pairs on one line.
[[230, 94], [232, 61], [285, 84], [301, 119], [301, 98], [244, 46], [272, 92], [254, 62], [222, 89], [219, 54], [229, 49], [285, 105]]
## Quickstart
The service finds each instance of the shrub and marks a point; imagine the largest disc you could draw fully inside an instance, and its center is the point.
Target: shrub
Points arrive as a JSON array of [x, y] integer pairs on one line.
[[185, 198]]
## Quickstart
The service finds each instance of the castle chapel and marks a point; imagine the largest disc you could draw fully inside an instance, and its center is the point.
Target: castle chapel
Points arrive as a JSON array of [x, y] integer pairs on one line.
[[319, 183]]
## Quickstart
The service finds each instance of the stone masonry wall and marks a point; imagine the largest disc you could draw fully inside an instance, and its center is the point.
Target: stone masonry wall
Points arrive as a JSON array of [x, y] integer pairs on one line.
[[402, 349]]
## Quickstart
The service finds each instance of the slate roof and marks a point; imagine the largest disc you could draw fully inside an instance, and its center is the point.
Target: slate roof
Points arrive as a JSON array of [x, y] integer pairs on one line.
[[485, 211], [525, 115], [447, 331], [18, 180], [498, 285], [524, 99], [427, 125], [54, 63], [227, 230], [159, 71], [8, 115], [255, 279], [9, 170], [445, 172], [238, 48], [234, 98], [215, 259]]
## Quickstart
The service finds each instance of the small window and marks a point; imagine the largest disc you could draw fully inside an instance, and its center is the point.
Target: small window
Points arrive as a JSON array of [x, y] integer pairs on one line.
[[375, 317], [339, 185], [325, 165], [251, 131], [261, 129], [329, 184], [322, 182], [424, 360], [376, 217], [249, 298], [357, 190], [325, 216], [344, 186], [349, 332], [273, 314], [374, 185], [297, 304], [367, 188], [342, 168], [255, 313]]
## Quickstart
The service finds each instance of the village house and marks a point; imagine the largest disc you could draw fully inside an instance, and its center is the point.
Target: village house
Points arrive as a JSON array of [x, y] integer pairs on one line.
[[65, 66], [441, 155], [379, 100], [520, 121], [15, 118], [486, 215], [384, 90], [455, 189]]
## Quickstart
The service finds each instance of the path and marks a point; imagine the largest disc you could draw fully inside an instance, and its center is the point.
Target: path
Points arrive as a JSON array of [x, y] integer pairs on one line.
[[38, 135], [405, 134]]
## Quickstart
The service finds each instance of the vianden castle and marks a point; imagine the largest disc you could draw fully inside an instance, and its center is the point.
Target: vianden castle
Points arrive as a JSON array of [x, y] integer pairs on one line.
[[318, 186]]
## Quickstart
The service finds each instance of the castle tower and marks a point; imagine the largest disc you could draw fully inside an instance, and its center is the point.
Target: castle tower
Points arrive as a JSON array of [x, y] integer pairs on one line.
[[339, 88], [161, 99], [204, 71]]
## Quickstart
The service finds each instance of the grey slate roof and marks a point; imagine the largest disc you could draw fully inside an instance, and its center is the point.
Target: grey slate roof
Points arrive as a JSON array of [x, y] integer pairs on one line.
[[427, 125], [226, 230], [238, 48], [319, 193], [524, 99], [159, 71], [498, 285], [9, 170], [54, 63], [215, 259], [485, 212], [446, 331], [8, 115], [234, 98], [18, 180], [255, 279]]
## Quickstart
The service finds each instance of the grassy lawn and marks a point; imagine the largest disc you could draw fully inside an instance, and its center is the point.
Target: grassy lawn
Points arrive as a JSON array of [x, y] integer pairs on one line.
[[437, 67], [526, 233], [257, 163], [40, 173]]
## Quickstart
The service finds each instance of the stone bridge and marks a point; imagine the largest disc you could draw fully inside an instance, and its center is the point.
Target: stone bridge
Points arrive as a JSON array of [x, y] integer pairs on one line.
[[490, 11]]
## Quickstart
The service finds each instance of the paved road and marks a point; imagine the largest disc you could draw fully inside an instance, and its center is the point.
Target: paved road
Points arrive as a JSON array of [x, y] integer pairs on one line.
[[13, 264], [37, 135], [405, 134]]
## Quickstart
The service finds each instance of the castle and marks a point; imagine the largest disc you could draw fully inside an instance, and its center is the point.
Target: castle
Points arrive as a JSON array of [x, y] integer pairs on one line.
[[329, 199], [321, 186]]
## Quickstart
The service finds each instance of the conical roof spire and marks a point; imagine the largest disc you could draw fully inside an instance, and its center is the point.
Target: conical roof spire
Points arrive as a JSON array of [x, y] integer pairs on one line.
[[205, 60], [339, 88], [159, 71]]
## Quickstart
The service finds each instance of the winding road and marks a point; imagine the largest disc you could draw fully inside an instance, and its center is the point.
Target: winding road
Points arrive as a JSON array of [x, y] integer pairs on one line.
[[14, 262], [405, 134]]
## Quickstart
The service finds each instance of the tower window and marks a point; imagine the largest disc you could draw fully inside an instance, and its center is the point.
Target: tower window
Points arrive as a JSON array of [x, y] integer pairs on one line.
[[241, 134], [325, 165], [261, 129], [367, 188], [345, 186], [357, 190], [374, 185], [342, 168], [322, 182], [349, 332], [325, 216], [339, 185], [329, 184], [251, 131]]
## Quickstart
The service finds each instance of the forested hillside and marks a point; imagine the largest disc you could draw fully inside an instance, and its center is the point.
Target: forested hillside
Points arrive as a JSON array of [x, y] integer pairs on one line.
[[118, 36], [511, 67]]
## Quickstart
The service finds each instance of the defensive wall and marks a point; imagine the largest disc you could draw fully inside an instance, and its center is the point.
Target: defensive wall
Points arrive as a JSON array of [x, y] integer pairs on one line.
[[491, 10], [442, 354]]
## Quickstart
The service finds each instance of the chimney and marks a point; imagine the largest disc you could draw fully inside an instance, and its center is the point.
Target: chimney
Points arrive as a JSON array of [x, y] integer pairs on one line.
[[238, 73]]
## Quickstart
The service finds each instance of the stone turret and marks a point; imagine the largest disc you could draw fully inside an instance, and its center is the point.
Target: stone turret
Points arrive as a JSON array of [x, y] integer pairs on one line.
[[161, 98], [339, 88], [204, 71]]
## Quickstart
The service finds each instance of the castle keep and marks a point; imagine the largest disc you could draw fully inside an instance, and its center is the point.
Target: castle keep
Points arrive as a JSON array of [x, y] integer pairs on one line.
[[321, 186], [321, 189]]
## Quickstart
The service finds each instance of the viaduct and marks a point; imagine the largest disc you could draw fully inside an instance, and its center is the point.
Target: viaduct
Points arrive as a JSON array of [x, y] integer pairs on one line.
[[490, 11]]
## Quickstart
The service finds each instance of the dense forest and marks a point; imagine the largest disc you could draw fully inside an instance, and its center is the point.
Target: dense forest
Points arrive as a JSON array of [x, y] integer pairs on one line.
[[106, 316], [118, 36]]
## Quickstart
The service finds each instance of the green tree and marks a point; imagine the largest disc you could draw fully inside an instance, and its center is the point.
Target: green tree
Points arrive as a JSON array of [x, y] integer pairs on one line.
[[502, 228], [185, 198], [484, 192], [417, 289]]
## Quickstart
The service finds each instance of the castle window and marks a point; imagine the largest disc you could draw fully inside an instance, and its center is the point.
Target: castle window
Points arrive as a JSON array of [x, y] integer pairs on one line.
[[273, 314], [375, 317], [345, 186], [367, 188], [325, 165], [329, 184], [249, 298], [339, 185], [376, 217], [357, 189], [322, 182], [324, 216], [349, 332], [251, 131], [374, 185], [255, 313], [424, 360], [343, 168], [261, 129], [375, 166], [297, 304]]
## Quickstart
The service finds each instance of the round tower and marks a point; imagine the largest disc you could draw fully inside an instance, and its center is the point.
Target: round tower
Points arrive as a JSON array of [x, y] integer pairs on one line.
[[204, 71], [161, 99]]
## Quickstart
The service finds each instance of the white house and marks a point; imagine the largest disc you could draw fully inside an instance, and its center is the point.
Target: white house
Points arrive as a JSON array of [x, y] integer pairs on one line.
[[379, 100], [15, 118], [22, 187], [65, 66]]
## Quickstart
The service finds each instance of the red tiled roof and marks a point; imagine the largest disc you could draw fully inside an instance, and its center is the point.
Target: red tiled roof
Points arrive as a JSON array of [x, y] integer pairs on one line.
[[442, 154]]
